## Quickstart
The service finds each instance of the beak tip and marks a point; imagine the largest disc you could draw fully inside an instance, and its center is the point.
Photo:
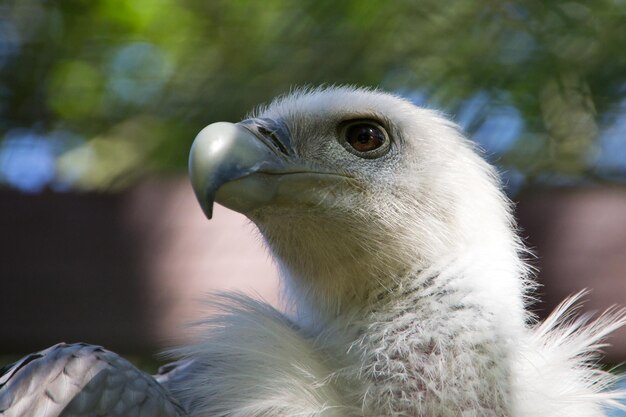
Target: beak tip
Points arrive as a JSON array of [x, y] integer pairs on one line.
[[206, 203], [208, 210]]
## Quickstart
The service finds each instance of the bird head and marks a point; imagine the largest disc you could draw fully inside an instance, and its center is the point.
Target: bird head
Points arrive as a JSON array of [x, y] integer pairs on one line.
[[352, 189]]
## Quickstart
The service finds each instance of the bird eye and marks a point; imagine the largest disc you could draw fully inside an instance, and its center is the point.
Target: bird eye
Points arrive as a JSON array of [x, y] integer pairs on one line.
[[367, 138]]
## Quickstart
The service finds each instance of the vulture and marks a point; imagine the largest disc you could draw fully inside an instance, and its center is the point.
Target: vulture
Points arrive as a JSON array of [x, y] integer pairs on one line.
[[404, 278]]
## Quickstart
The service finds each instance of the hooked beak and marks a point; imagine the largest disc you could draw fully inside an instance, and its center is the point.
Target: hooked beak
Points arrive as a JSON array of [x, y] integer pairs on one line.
[[225, 153]]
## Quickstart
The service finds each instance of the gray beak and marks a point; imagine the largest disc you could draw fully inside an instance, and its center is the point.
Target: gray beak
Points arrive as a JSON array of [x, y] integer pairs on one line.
[[224, 153]]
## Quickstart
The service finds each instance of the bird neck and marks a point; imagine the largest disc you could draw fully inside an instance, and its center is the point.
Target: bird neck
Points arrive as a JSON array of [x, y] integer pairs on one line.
[[444, 324], [433, 346], [342, 276], [328, 271]]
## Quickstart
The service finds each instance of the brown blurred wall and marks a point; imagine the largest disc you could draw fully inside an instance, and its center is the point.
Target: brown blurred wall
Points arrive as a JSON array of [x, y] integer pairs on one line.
[[579, 238], [128, 270]]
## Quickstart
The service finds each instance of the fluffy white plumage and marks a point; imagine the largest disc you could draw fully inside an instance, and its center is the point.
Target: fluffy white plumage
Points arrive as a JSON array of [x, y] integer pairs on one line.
[[408, 287], [405, 277]]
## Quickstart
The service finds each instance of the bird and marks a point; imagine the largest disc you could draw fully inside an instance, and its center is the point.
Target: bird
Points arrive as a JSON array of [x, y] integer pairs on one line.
[[405, 283]]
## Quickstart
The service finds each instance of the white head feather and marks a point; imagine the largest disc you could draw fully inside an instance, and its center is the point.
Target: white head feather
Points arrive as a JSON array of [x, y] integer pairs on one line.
[[430, 200]]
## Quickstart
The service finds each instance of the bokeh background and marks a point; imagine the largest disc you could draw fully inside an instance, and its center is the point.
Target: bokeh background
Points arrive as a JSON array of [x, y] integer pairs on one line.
[[100, 237]]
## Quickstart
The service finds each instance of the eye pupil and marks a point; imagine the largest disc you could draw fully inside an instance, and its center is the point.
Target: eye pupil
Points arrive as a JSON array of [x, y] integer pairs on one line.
[[364, 137]]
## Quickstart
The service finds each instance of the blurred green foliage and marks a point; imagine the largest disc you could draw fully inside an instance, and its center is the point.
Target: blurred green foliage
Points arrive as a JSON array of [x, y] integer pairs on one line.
[[102, 92]]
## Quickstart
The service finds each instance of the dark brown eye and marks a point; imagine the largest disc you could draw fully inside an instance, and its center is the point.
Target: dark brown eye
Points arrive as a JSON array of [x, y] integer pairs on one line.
[[364, 137], [367, 138]]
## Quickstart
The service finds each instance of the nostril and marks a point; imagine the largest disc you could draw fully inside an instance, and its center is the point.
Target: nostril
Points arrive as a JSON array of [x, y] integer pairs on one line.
[[274, 133], [274, 138], [264, 131]]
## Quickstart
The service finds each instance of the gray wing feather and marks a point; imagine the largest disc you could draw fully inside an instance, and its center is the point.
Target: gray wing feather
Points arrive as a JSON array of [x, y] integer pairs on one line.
[[81, 380], [173, 376]]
